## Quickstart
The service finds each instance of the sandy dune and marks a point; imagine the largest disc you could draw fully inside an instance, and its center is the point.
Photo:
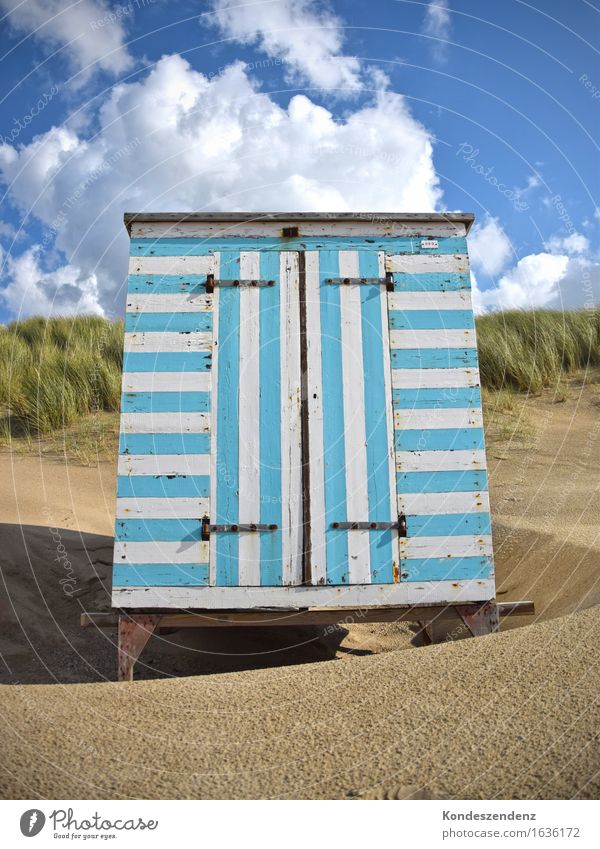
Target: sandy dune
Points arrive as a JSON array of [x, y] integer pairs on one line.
[[511, 715], [505, 716]]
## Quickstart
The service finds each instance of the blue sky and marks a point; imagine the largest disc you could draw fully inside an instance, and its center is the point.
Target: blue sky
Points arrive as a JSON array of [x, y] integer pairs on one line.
[[386, 105]]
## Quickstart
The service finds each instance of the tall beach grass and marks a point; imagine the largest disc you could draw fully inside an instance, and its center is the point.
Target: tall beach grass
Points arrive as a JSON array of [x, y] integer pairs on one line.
[[528, 351], [54, 372]]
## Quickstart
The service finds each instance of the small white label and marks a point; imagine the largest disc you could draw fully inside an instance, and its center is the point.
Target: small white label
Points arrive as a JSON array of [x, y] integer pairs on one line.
[[429, 243]]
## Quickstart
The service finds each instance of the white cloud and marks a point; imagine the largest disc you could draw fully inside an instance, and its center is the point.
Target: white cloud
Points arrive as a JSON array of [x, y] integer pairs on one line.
[[532, 282], [88, 33], [190, 143], [575, 243], [307, 39], [437, 23], [32, 291], [489, 246]]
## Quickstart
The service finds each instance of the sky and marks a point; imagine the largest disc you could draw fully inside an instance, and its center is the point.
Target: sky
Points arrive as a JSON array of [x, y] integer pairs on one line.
[[298, 105]]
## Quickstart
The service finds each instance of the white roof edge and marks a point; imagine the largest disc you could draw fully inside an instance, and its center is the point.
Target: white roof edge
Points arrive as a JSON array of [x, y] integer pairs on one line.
[[465, 218]]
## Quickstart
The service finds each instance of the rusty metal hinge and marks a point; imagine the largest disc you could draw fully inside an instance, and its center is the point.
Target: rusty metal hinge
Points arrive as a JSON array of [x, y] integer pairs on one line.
[[235, 282], [400, 526], [249, 527]]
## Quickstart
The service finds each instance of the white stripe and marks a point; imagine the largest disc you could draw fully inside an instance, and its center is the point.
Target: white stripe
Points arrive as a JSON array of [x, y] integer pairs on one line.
[[427, 263], [457, 546], [437, 503], [168, 265], [407, 593], [434, 378], [389, 413], [291, 446], [162, 508], [214, 372], [157, 341], [315, 418], [181, 302], [440, 338], [167, 381], [416, 419], [355, 438], [249, 420], [440, 461], [155, 551], [430, 300], [228, 229], [164, 464], [165, 422]]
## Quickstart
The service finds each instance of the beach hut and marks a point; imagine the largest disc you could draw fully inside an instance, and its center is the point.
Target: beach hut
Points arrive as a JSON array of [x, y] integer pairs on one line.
[[301, 427]]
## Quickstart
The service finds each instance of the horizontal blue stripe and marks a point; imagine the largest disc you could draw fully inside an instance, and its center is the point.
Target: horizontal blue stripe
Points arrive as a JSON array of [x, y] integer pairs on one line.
[[448, 524], [166, 284], [447, 569], [442, 439], [171, 246], [165, 402], [434, 357], [431, 398], [160, 575], [163, 486], [470, 480], [164, 530], [172, 322], [431, 319], [164, 443], [433, 281], [167, 361]]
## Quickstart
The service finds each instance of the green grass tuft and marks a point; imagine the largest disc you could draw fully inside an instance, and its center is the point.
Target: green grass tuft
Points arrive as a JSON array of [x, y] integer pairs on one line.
[[55, 371]]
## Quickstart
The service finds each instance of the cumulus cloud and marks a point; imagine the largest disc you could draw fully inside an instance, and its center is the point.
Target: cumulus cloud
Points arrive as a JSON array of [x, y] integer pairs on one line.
[[532, 282], [574, 243], [308, 39], [177, 140], [489, 247], [88, 33], [32, 291], [437, 23]]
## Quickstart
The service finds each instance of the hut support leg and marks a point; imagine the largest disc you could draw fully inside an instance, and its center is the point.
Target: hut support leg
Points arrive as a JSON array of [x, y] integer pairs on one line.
[[134, 633], [480, 620]]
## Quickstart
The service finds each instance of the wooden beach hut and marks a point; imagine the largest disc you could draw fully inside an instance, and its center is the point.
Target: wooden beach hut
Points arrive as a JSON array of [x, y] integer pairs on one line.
[[301, 427]]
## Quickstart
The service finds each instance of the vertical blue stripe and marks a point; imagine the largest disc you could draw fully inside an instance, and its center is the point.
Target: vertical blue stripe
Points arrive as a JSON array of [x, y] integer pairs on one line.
[[378, 478], [334, 461], [227, 465], [271, 572]]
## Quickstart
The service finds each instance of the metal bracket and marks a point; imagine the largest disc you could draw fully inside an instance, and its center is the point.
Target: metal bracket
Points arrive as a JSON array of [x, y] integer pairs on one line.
[[351, 281], [251, 527], [400, 526], [211, 283]]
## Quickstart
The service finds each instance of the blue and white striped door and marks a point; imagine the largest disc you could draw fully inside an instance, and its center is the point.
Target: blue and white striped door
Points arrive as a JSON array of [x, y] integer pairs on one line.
[[351, 431], [256, 464]]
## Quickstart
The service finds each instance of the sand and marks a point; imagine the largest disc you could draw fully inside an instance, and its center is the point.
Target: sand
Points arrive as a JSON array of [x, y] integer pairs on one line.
[[357, 713], [507, 716]]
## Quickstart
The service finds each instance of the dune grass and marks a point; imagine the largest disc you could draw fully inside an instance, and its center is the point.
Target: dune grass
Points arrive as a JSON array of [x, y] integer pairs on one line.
[[56, 373], [529, 351]]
